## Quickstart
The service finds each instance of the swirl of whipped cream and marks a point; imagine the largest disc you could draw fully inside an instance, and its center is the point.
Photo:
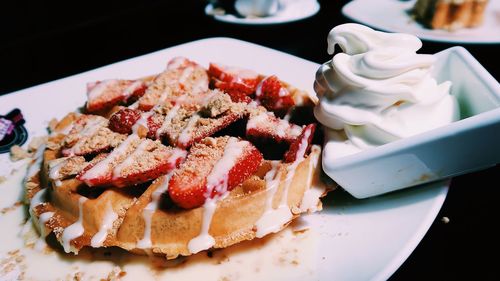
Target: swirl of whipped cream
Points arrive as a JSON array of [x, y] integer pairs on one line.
[[379, 89]]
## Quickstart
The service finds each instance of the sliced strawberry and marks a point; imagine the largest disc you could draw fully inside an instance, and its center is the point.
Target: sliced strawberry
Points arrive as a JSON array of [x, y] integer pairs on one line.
[[123, 120], [135, 161], [301, 145], [180, 62], [237, 91], [273, 95], [213, 167], [238, 82], [185, 79], [266, 125], [103, 95], [89, 135]]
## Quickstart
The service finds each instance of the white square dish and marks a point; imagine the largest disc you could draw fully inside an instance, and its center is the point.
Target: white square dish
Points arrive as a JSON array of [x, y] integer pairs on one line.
[[463, 146]]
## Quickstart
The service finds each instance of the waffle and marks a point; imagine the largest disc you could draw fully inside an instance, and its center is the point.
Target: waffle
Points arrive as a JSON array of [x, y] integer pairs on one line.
[[188, 160], [445, 14]]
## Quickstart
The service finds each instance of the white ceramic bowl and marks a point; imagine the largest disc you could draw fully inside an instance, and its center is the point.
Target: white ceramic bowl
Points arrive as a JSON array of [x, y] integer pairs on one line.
[[470, 144]]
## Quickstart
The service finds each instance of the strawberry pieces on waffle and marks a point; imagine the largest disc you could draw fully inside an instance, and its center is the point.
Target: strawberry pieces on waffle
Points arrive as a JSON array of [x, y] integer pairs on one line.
[[239, 83], [273, 95], [134, 162], [89, 135], [263, 125], [181, 78], [103, 95], [301, 145], [123, 120], [213, 167]]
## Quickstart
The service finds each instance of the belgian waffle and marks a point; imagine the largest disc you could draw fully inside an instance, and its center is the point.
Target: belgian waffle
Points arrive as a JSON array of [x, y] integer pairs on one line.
[[185, 161], [450, 14]]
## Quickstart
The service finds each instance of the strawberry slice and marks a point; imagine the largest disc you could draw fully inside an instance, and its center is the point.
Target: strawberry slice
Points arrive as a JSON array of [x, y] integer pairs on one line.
[[273, 95], [213, 167], [180, 79], [179, 63], [238, 92], [266, 125], [123, 120], [237, 82], [135, 161], [301, 145], [103, 95]]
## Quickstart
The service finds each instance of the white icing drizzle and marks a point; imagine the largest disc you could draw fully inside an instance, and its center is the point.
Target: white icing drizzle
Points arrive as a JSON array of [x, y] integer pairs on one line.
[[256, 120], [217, 179], [103, 166], [100, 88], [76, 229], [129, 160], [185, 74], [106, 224], [273, 219], [131, 89], [311, 197], [283, 125], [168, 118], [54, 168], [38, 198], [185, 135], [42, 220], [35, 166], [148, 211], [204, 240], [90, 128], [143, 121]]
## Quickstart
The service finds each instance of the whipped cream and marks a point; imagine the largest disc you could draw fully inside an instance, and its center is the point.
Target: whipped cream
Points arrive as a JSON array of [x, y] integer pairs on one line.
[[378, 90]]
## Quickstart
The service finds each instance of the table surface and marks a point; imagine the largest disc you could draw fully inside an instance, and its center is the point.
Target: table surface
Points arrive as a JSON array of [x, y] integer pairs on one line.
[[47, 40]]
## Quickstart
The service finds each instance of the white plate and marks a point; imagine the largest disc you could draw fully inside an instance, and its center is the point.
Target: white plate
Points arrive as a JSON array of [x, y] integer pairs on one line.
[[349, 240], [392, 15], [291, 10]]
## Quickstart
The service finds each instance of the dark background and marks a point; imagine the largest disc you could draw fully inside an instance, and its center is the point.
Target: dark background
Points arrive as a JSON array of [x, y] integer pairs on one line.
[[45, 40]]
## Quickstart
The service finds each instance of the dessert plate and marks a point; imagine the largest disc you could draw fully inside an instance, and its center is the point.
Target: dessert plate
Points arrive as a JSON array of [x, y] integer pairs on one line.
[[290, 10], [350, 239], [393, 16]]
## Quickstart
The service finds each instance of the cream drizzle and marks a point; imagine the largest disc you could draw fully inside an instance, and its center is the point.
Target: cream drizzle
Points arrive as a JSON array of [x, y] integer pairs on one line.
[[143, 121], [148, 211], [102, 167], [185, 135], [217, 179], [106, 224], [76, 229], [273, 219], [91, 127], [100, 88], [129, 160]]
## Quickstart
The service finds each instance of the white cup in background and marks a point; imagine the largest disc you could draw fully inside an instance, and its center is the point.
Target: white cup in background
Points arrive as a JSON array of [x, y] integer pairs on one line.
[[258, 8]]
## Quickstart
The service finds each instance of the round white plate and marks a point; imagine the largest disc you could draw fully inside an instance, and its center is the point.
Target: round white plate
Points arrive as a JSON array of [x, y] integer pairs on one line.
[[290, 10], [392, 15], [349, 240]]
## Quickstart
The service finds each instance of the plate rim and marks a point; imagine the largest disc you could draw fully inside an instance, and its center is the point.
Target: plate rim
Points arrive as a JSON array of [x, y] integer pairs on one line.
[[243, 21], [431, 38]]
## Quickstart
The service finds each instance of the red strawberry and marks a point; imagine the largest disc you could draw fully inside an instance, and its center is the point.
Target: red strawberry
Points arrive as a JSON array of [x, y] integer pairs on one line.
[[273, 95], [103, 95], [123, 120], [237, 92], [135, 161], [267, 126], [301, 145], [238, 82], [212, 168], [180, 62]]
